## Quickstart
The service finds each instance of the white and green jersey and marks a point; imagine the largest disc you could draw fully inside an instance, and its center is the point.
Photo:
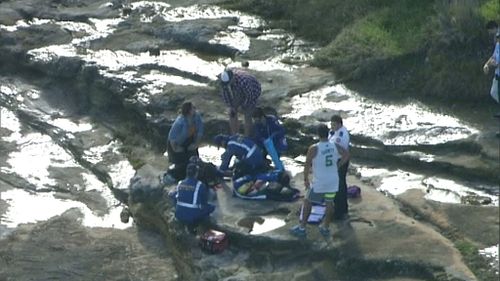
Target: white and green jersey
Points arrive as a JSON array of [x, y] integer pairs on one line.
[[324, 168]]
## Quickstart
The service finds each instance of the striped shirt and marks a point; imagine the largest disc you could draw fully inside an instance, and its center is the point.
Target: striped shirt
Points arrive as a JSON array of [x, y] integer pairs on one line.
[[244, 90]]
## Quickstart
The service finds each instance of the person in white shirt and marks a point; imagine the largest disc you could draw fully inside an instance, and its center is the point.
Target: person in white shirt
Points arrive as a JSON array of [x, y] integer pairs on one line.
[[340, 136], [322, 159]]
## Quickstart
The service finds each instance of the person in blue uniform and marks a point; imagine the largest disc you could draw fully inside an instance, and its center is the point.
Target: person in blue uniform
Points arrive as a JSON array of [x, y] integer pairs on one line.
[[191, 197], [269, 134], [250, 159]]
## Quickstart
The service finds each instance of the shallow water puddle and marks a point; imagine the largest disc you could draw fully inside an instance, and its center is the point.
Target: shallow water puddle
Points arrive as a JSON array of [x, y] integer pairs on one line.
[[114, 61], [23, 23], [30, 208], [436, 189], [261, 224], [269, 224], [121, 173], [408, 124], [36, 154], [491, 253]]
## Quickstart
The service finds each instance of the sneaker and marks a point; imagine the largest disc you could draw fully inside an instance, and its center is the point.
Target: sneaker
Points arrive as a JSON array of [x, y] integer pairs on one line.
[[168, 179], [324, 231], [298, 231]]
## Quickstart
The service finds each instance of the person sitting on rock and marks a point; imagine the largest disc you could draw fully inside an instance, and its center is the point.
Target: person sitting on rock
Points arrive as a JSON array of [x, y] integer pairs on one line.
[[183, 140], [191, 196], [250, 159], [269, 134]]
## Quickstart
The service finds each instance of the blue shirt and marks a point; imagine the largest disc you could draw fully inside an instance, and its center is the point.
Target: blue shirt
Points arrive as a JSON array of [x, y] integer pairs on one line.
[[192, 200], [244, 149], [180, 130], [270, 128]]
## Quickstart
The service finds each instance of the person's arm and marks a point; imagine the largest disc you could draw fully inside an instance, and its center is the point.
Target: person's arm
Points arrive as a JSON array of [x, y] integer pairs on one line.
[[226, 158], [492, 61], [311, 153], [175, 135], [344, 155]]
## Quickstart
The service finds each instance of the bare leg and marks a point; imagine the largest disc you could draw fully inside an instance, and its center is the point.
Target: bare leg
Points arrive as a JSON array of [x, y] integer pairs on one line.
[[329, 214], [306, 211], [234, 123]]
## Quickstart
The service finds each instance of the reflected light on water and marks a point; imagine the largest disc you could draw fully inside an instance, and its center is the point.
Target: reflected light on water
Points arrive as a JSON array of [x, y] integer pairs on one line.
[[121, 173], [408, 124], [8, 120], [36, 154], [28, 208], [70, 126], [23, 24], [236, 39], [268, 224], [491, 253], [211, 154], [436, 189]]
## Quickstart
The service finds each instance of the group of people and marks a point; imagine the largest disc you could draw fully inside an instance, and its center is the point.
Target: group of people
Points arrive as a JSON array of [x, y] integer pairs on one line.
[[263, 135]]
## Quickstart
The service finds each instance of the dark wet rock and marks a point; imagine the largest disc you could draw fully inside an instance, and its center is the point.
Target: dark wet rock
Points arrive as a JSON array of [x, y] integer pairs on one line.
[[63, 67], [196, 35], [476, 200]]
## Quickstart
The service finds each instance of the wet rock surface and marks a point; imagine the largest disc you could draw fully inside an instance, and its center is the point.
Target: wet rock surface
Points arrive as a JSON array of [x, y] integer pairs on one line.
[[95, 91]]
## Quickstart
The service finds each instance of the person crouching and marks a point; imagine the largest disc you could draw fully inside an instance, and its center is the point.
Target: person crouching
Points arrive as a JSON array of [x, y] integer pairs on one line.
[[191, 197]]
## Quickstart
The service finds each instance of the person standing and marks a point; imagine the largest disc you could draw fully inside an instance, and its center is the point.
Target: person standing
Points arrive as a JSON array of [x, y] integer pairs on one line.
[[322, 159], [494, 61], [340, 136], [269, 134], [240, 91], [183, 140]]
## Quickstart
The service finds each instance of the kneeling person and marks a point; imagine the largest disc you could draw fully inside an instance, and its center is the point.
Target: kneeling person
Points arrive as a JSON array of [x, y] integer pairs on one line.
[[250, 157], [192, 198]]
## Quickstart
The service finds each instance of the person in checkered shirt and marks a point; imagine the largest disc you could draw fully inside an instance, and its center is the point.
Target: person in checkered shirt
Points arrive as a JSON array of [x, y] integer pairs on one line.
[[240, 91]]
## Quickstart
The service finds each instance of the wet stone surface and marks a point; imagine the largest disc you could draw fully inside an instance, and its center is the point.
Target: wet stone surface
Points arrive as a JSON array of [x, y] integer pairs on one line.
[[87, 96]]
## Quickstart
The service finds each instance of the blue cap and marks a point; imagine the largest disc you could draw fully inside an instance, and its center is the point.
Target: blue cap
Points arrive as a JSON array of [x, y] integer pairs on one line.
[[220, 138]]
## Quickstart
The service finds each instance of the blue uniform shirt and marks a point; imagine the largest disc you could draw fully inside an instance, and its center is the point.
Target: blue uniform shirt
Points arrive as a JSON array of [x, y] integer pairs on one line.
[[244, 149], [192, 196], [270, 128]]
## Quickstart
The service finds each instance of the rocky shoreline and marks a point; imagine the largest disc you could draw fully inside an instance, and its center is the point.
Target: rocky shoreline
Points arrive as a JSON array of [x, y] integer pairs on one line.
[[403, 237]]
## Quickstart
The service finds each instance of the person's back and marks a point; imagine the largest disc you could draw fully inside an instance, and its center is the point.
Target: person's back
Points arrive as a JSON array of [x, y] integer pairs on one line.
[[244, 149], [192, 196], [324, 168]]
